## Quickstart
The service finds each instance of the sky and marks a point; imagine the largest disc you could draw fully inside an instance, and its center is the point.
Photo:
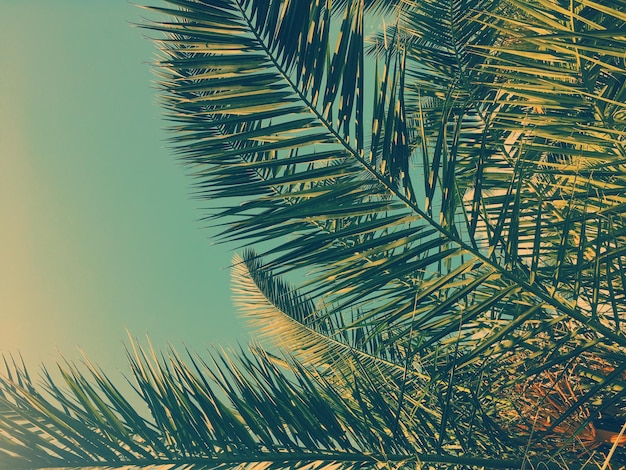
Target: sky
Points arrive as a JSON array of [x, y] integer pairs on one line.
[[100, 234]]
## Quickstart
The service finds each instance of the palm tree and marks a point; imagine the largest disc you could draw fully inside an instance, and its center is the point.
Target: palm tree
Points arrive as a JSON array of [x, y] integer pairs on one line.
[[446, 203]]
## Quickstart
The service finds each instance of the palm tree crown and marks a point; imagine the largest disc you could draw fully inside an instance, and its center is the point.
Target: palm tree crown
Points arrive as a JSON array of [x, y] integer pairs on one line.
[[447, 199]]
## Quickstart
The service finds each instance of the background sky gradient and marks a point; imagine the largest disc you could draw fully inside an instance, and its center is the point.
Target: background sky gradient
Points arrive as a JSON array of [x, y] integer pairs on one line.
[[99, 232]]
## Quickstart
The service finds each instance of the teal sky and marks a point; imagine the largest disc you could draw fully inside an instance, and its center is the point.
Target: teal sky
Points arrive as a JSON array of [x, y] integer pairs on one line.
[[99, 231]]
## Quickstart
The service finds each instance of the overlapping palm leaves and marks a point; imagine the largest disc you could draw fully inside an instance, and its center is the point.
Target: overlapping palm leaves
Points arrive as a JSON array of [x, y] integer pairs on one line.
[[461, 232], [273, 421]]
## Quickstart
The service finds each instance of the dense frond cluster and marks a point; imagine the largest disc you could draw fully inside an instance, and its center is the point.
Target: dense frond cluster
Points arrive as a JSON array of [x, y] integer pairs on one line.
[[445, 191]]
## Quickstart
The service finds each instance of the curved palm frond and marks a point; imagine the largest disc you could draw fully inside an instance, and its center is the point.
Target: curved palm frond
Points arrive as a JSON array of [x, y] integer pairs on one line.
[[497, 262], [288, 320], [278, 417]]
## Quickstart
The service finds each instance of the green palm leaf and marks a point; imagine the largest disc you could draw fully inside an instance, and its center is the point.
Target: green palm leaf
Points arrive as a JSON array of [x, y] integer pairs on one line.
[[501, 254], [277, 417]]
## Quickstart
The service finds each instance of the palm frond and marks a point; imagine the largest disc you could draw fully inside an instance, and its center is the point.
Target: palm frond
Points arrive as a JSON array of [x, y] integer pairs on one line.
[[509, 250], [277, 417], [286, 319], [290, 320]]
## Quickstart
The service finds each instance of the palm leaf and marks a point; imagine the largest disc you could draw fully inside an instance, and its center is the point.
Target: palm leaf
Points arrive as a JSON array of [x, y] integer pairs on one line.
[[501, 254], [277, 417]]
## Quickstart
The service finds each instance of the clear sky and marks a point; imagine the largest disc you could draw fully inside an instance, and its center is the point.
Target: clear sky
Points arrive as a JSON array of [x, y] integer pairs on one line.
[[99, 232]]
